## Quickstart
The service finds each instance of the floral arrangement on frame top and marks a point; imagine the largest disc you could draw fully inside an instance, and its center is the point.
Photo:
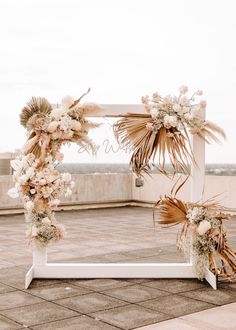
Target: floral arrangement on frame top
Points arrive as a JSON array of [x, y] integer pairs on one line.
[[164, 130], [37, 182]]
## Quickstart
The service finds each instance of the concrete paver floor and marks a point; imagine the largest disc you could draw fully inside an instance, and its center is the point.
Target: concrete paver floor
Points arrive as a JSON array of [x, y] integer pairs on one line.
[[103, 235]]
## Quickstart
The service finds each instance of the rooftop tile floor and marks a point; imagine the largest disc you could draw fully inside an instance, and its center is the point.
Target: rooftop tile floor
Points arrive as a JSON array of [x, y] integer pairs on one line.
[[103, 235]]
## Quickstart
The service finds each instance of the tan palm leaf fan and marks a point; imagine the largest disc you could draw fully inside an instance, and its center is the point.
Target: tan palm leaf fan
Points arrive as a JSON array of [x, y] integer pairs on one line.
[[149, 146], [162, 134], [32, 117], [205, 222]]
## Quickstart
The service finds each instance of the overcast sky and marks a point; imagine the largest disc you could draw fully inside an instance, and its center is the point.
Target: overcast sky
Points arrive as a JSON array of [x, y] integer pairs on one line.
[[122, 49]]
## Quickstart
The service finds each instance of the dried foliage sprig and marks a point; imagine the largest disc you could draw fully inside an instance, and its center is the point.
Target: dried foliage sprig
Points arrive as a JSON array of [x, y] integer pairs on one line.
[[205, 223], [163, 132]]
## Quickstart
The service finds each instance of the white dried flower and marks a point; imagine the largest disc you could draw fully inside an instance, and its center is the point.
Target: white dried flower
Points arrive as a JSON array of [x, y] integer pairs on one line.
[[13, 193], [156, 97], [203, 227], [52, 127], [75, 125], [66, 177], [57, 113], [30, 172], [16, 164], [199, 92], [22, 179], [177, 108], [34, 231], [54, 202], [29, 205], [170, 121], [46, 221], [183, 89]]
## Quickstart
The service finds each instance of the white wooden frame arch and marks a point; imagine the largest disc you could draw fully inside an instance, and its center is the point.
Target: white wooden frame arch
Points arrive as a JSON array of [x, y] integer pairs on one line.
[[42, 269]]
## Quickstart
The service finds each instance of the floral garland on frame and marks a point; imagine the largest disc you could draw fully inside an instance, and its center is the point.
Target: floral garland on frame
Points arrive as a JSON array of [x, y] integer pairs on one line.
[[37, 182], [203, 229], [164, 129]]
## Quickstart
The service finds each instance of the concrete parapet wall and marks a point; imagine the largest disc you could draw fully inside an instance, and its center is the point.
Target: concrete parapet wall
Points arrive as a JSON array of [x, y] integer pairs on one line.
[[158, 185], [89, 188], [119, 187]]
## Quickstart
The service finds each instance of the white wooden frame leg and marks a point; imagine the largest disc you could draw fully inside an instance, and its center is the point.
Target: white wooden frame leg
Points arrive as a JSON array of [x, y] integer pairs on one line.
[[197, 187], [42, 269]]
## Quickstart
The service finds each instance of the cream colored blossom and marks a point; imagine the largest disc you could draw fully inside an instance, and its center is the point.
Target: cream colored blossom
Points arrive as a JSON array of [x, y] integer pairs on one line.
[[13, 193], [183, 89], [66, 177], [177, 108], [29, 205], [54, 202], [170, 121], [16, 164], [58, 113], [156, 97], [203, 227], [46, 221], [42, 182], [199, 92], [59, 156], [52, 127], [75, 125]]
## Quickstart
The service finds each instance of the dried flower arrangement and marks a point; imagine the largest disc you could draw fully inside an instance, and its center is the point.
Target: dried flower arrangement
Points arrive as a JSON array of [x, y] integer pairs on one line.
[[202, 233], [164, 129], [37, 182]]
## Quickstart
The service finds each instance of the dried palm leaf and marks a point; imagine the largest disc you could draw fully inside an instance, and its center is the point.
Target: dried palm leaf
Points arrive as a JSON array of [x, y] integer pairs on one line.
[[171, 211], [131, 131], [36, 106], [210, 130]]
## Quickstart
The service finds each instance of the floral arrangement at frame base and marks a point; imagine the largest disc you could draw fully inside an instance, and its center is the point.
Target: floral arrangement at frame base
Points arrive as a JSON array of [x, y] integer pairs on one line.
[[37, 182], [202, 233], [165, 129]]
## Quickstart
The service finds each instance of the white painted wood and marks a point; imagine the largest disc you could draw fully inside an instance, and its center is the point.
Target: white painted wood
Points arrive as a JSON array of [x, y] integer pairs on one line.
[[120, 109], [29, 277], [198, 168], [42, 269], [115, 270], [197, 186], [211, 279], [39, 256]]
